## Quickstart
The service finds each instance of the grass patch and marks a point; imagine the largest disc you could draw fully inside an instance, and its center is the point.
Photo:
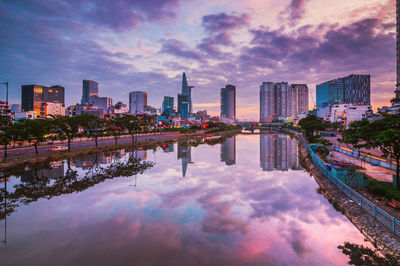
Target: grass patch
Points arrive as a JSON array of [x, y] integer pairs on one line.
[[385, 189]]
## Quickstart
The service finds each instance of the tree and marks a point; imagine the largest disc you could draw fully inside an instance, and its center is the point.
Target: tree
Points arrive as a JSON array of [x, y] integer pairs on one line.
[[17, 133], [360, 255], [68, 126], [37, 130], [114, 126], [132, 124], [5, 124], [93, 125], [383, 134], [311, 124]]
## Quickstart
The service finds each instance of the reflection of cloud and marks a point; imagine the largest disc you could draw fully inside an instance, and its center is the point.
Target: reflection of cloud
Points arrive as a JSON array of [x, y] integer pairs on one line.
[[297, 239]]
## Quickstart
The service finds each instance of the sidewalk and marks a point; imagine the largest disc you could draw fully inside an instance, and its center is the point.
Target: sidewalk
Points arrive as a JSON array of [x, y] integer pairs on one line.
[[375, 172]]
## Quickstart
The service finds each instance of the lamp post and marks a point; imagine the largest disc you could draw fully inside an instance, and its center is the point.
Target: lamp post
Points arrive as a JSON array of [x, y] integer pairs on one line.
[[6, 129]]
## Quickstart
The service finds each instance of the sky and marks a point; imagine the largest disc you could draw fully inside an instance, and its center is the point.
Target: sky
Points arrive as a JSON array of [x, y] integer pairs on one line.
[[146, 45]]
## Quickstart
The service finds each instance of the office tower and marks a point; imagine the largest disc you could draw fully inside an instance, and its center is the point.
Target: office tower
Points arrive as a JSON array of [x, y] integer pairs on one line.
[[357, 89], [228, 151], [137, 101], [297, 99], [103, 103], [185, 96], [228, 103], [330, 92], [89, 88], [168, 105], [352, 89], [33, 96], [185, 110]]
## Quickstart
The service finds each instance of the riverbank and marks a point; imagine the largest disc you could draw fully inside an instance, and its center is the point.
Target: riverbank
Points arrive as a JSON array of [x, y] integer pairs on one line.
[[379, 235], [24, 161]]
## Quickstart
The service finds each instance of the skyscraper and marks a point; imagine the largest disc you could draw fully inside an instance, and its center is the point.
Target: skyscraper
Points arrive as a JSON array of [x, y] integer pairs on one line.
[[89, 88], [228, 103], [297, 99], [32, 96], [330, 92], [185, 96], [168, 105], [273, 101], [137, 101], [397, 50]]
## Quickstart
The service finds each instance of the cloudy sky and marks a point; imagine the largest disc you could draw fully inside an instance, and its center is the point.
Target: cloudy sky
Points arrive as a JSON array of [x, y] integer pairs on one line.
[[147, 44]]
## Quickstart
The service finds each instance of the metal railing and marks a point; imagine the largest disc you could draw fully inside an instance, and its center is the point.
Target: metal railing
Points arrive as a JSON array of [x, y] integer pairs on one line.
[[386, 219]]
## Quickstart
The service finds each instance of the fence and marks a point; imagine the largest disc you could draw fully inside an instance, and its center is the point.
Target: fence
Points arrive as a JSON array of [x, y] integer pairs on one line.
[[386, 219]]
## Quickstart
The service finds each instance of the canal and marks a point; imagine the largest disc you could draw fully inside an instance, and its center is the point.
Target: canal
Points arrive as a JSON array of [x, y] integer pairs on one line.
[[243, 200]]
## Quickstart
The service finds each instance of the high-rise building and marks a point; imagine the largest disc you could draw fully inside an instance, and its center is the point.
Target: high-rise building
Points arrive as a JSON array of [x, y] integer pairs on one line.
[[228, 103], [33, 96], [228, 151], [397, 50], [330, 92], [185, 96], [357, 89], [352, 89], [104, 103], [273, 101], [89, 88], [137, 101], [297, 99], [15, 108], [168, 105], [185, 154]]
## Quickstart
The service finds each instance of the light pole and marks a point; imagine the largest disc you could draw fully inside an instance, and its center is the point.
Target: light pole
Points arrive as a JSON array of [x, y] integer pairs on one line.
[[6, 130]]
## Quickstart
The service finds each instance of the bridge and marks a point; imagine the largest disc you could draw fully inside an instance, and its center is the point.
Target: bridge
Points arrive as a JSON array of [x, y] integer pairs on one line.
[[257, 125]]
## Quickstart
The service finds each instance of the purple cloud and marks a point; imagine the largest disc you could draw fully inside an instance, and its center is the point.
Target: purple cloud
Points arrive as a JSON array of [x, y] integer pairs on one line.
[[180, 49], [222, 22]]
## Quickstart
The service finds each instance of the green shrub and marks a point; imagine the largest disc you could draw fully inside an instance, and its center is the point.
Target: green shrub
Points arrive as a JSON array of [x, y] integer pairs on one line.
[[385, 189]]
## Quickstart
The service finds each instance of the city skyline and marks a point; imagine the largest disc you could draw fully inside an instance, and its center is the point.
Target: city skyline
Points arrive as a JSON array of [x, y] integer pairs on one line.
[[215, 45]]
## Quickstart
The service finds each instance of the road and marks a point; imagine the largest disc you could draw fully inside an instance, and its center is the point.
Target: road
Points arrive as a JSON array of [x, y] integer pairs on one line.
[[45, 149]]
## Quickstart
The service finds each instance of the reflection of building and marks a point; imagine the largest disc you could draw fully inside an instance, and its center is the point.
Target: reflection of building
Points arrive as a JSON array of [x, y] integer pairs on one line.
[[140, 154], [168, 147], [278, 152], [185, 154], [228, 151], [56, 171]]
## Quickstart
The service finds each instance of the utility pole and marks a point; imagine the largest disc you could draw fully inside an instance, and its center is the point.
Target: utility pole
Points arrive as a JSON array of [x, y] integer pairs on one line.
[[6, 130]]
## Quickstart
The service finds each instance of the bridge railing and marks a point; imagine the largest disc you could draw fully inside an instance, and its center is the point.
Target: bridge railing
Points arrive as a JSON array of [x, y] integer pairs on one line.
[[386, 219]]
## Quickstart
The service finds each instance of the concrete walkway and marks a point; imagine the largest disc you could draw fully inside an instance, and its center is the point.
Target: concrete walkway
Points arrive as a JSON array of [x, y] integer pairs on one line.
[[375, 172]]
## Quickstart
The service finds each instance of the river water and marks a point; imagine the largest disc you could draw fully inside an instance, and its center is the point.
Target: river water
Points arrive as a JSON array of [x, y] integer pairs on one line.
[[246, 201]]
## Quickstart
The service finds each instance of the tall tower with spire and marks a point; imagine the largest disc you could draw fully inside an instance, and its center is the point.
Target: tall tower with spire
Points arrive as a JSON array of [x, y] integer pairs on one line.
[[397, 49], [185, 96]]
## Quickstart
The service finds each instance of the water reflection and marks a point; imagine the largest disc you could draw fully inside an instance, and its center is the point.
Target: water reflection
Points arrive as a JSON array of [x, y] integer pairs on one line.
[[221, 215], [278, 152], [228, 151]]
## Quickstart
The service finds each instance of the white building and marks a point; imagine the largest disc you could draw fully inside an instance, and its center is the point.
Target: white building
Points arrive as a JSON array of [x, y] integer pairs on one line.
[[338, 113], [357, 113], [48, 109], [24, 115], [120, 108], [137, 102]]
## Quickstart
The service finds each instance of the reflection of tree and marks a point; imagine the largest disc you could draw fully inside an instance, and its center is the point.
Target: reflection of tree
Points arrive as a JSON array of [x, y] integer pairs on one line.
[[360, 255], [28, 192]]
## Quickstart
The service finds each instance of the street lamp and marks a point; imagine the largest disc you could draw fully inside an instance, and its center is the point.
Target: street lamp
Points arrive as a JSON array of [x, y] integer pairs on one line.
[[6, 130]]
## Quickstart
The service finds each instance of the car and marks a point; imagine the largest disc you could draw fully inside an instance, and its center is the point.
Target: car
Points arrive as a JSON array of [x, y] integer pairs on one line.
[[59, 148], [49, 143]]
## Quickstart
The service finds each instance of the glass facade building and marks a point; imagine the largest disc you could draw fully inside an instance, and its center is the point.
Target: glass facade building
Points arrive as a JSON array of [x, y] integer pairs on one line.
[[228, 102], [89, 88], [32, 96], [137, 101], [168, 105], [185, 96], [352, 89]]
